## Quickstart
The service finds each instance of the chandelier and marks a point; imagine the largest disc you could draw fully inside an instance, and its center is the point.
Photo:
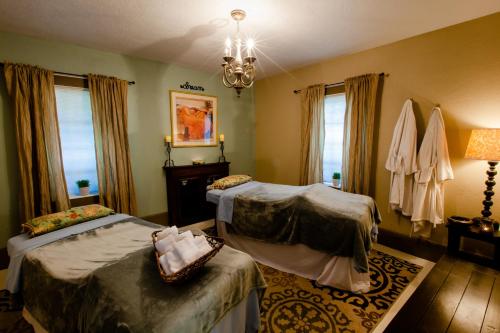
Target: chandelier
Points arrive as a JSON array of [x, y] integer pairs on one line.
[[238, 72]]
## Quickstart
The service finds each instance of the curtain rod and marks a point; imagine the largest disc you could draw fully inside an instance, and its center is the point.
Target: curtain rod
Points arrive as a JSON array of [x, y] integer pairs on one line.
[[81, 76], [338, 83]]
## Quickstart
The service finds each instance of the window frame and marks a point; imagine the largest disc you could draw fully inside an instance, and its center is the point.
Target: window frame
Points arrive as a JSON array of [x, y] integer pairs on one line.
[[333, 90], [71, 81], [336, 89], [77, 82]]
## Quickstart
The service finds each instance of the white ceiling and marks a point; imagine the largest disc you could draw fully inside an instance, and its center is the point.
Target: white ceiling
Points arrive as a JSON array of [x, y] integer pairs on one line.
[[288, 33]]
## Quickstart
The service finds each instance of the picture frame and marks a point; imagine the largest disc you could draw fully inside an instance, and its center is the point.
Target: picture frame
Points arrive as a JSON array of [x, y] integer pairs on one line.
[[193, 119]]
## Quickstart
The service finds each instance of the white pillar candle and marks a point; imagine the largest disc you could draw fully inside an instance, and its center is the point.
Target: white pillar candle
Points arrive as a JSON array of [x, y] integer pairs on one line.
[[250, 45], [228, 47]]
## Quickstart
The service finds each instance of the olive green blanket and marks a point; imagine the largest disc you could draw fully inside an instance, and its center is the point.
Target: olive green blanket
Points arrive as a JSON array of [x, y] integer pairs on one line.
[[318, 216], [125, 293]]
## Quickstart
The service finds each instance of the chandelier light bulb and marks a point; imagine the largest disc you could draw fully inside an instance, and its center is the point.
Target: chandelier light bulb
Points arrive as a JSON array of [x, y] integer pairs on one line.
[[250, 46]]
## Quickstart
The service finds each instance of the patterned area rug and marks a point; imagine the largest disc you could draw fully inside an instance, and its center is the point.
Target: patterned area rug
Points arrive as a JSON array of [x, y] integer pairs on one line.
[[295, 304]]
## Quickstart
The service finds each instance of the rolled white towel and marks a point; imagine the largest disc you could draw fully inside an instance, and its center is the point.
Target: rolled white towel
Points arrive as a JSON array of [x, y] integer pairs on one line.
[[165, 265], [175, 262], [167, 231], [166, 244], [187, 250], [194, 248], [203, 245], [185, 235]]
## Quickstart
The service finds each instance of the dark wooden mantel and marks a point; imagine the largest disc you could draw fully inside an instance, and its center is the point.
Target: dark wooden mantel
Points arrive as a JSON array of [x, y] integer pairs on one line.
[[186, 191]]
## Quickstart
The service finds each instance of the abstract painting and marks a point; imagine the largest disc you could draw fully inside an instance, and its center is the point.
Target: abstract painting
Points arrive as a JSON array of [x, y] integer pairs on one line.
[[194, 119]]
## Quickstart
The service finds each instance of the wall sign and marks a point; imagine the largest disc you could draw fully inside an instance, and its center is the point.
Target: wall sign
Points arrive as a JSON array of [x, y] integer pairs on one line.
[[190, 87]]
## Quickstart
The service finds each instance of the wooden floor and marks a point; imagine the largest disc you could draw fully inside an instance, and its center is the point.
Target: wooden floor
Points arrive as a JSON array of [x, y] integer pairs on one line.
[[456, 296]]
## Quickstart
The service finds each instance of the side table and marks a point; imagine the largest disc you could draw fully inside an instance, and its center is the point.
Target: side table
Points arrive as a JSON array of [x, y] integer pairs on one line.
[[456, 231]]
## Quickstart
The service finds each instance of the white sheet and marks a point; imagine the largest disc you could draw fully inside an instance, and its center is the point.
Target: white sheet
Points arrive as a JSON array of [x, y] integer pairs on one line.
[[213, 196], [334, 271]]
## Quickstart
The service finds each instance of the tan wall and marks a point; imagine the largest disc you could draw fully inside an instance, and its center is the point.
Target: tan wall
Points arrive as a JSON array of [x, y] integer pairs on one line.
[[457, 67]]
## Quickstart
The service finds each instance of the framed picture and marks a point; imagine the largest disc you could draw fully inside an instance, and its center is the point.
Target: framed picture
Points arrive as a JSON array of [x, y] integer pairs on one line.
[[193, 118]]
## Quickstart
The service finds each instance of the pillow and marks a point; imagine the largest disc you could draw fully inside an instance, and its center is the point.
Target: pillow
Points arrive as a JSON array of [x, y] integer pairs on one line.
[[229, 181], [43, 224]]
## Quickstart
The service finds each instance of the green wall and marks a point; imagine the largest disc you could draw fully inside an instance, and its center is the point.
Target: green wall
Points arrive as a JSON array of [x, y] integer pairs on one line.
[[149, 118]]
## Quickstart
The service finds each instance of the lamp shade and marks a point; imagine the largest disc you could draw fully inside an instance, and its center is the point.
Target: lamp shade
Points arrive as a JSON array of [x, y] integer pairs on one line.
[[484, 144]]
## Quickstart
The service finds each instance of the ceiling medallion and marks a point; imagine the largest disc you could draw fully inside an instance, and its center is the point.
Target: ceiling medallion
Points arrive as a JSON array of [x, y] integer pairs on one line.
[[238, 72]]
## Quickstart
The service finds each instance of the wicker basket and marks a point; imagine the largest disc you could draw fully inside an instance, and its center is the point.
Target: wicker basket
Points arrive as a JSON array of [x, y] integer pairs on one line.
[[185, 273]]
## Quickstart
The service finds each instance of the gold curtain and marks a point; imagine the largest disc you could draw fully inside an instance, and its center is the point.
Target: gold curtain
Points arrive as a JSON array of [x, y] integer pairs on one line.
[[42, 184], [312, 135], [109, 114], [361, 97]]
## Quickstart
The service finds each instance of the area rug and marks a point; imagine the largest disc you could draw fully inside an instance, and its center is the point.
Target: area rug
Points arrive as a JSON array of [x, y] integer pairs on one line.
[[293, 304]]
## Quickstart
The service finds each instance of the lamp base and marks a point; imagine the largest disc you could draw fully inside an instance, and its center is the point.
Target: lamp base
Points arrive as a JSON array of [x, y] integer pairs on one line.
[[486, 225]]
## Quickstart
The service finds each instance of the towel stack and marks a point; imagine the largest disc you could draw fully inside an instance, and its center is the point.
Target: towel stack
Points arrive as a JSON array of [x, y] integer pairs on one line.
[[179, 250]]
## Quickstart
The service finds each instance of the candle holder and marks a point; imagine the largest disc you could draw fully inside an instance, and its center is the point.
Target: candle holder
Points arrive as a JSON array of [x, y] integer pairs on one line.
[[169, 162], [222, 158]]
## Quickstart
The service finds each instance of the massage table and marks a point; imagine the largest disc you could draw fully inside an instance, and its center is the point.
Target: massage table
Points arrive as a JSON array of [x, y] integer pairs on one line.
[[294, 257], [101, 276]]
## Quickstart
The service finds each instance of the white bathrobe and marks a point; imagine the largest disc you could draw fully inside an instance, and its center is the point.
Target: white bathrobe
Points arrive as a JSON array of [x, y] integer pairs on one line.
[[402, 161], [434, 169]]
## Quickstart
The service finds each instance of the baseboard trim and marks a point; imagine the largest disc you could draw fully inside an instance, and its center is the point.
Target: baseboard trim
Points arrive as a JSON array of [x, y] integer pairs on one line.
[[160, 218], [419, 247]]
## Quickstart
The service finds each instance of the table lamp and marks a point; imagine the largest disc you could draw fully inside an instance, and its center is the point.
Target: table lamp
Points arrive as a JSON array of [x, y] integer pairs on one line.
[[484, 144]]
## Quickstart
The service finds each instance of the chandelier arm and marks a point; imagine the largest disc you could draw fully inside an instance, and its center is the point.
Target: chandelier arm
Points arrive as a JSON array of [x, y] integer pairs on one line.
[[247, 85], [250, 73], [248, 67], [248, 77], [233, 73], [226, 84], [228, 73]]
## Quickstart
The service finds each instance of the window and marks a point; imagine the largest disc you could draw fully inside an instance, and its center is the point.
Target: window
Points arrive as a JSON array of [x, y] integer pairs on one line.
[[334, 135], [77, 137]]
